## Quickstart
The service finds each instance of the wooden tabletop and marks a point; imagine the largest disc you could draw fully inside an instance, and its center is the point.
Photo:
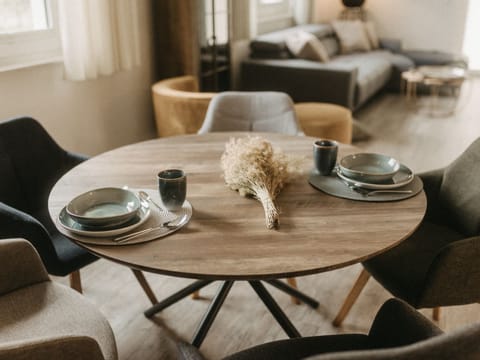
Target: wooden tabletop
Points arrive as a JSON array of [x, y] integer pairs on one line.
[[226, 237]]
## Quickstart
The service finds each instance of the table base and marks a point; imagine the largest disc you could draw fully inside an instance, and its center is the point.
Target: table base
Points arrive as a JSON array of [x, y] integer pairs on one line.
[[221, 295]]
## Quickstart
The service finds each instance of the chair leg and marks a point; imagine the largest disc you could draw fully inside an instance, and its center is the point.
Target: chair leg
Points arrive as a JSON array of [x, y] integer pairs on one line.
[[293, 283], [76, 281], [196, 295], [436, 313], [352, 297], [145, 286]]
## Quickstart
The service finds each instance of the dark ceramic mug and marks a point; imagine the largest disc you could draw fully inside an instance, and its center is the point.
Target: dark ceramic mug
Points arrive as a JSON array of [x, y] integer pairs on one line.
[[172, 185], [325, 155]]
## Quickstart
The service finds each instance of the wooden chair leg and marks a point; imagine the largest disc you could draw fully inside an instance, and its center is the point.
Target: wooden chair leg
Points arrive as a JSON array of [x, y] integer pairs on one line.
[[293, 283], [76, 281], [145, 286], [196, 295], [436, 313], [352, 297]]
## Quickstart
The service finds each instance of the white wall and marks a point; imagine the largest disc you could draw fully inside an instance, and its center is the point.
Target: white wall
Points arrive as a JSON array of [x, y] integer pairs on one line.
[[421, 24], [88, 116]]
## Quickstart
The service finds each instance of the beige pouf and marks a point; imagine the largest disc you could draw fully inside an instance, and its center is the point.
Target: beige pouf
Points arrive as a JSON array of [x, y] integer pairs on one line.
[[324, 120]]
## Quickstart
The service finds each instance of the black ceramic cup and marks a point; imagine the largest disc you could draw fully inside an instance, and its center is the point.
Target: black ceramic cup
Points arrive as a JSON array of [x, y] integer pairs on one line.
[[325, 155], [172, 185]]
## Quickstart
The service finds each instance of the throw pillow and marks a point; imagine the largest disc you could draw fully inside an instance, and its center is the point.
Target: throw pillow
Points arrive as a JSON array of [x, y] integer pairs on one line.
[[352, 36], [371, 34], [304, 45]]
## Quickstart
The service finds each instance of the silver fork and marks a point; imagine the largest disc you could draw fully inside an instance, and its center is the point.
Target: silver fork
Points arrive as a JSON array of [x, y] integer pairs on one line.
[[167, 224], [366, 192]]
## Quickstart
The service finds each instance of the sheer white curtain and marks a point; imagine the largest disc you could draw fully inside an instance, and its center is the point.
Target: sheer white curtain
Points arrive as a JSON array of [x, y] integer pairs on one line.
[[99, 37]]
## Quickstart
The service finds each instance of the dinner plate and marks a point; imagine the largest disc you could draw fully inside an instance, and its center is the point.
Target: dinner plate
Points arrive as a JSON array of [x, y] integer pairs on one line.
[[105, 231], [403, 177]]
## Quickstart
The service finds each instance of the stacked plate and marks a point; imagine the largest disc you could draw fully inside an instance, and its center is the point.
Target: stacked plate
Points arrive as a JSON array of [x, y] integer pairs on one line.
[[104, 212], [373, 171]]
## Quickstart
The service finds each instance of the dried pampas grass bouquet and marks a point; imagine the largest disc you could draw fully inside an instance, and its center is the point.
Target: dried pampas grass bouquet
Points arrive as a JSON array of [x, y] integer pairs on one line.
[[254, 168]]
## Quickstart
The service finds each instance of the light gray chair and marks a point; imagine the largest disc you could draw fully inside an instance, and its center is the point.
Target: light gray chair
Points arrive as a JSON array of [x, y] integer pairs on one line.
[[438, 265], [40, 319], [397, 333], [265, 111]]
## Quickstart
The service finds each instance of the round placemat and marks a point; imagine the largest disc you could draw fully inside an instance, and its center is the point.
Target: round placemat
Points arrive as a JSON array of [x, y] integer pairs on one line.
[[333, 185], [156, 217]]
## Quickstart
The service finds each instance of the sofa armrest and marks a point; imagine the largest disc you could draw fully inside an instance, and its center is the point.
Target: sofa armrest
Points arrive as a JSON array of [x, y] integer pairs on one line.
[[394, 45], [303, 80], [21, 265], [67, 347]]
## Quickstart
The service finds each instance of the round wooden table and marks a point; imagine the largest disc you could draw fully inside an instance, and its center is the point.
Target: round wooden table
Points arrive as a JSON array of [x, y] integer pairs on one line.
[[226, 238]]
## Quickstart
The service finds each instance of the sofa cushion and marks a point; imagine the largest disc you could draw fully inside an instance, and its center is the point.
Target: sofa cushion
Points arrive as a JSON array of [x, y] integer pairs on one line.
[[352, 36], [330, 43], [275, 41], [374, 70], [423, 57], [305, 45], [371, 34]]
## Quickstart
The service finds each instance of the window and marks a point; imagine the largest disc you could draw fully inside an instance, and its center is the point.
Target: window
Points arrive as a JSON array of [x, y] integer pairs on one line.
[[471, 45], [28, 33], [273, 14]]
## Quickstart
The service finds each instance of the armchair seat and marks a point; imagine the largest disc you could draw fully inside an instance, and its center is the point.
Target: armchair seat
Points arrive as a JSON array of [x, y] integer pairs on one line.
[[403, 270], [47, 311]]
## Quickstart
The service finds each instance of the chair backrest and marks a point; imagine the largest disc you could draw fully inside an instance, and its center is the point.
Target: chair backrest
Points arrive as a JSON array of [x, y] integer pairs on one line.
[[179, 106], [460, 192], [251, 111], [459, 344], [30, 163]]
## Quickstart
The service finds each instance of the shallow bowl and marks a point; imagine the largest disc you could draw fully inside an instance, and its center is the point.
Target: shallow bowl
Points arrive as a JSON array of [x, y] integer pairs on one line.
[[369, 167], [105, 206]]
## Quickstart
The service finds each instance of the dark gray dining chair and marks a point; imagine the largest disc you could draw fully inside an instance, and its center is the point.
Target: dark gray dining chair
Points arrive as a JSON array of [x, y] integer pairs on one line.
[[30, 164], [265, 111], [398, 332], [438, 264]]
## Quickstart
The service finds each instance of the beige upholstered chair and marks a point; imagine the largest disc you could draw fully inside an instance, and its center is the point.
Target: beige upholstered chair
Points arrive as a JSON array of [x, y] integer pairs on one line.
[[179, 106], [40, 319]]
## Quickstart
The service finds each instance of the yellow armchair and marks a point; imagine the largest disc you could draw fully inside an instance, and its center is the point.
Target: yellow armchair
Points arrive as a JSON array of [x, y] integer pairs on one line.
[[179, 106]]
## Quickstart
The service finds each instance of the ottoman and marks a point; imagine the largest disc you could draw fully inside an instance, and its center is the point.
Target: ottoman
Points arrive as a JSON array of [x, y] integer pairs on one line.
[[323, 120]]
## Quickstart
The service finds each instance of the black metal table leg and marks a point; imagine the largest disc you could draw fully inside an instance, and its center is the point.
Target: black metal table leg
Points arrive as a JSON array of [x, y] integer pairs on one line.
[[294, 292], [211, 313], [179, 295], [276, 311]]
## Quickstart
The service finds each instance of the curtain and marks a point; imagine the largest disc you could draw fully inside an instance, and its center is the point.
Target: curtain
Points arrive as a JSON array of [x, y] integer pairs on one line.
[[99, 37], [176, 43]]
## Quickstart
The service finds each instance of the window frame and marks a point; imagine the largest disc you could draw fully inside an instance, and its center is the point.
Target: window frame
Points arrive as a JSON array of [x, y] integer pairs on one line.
[[29, 48]]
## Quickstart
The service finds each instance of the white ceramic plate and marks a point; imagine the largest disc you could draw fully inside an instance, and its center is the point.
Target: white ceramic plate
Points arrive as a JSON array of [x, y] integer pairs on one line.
[[403, 177], [70, 224]]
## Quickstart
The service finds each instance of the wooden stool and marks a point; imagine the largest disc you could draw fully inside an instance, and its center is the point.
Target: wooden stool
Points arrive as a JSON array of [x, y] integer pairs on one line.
[[326, 121]]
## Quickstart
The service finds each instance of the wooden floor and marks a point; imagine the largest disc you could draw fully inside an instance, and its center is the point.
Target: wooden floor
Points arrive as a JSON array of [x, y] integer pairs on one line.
[[409, 133]]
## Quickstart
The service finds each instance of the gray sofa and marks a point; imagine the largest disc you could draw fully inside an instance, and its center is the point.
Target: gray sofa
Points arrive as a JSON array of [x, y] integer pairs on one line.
[[348, 80]]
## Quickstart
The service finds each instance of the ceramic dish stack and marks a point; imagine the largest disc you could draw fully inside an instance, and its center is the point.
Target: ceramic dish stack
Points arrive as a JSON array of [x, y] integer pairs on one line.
[[373, 171], [104, 212]]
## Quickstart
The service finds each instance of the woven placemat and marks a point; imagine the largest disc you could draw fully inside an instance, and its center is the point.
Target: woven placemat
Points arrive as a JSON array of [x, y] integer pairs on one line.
[[333, 185]]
